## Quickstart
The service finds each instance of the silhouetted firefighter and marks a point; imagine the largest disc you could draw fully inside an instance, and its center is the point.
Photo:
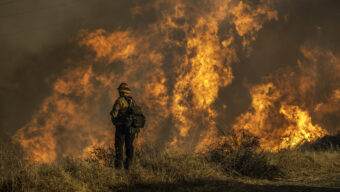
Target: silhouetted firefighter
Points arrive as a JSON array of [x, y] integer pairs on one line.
[[128, 118]]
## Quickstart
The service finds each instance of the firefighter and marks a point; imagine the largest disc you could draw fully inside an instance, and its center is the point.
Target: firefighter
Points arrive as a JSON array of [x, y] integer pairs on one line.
[[124, 133]]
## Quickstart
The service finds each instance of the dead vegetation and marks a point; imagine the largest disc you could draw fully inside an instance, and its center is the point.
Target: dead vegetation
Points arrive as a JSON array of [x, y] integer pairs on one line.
[[224, 167]]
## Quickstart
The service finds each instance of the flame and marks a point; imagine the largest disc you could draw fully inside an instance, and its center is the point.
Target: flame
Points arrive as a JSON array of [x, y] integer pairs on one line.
[[300, 129], [121, 43], [247, 18], [280, 112], [331, 105], [277, 124], [62, 115], [202, 75], [176, 68]]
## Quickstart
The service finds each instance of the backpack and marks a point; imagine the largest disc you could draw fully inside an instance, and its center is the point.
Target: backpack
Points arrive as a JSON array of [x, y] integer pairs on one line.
[[132, 116]]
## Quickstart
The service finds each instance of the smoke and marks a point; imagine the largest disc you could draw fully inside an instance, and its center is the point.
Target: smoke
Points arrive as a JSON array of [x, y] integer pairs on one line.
[[35, 40], [309, 24], [194, 66]]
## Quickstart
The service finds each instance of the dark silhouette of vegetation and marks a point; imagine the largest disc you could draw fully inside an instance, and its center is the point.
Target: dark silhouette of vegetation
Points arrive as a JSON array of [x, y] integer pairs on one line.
[[240, 153]]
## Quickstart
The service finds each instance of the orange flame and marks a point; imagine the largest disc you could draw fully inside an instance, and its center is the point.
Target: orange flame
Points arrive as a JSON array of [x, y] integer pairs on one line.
[[300, 129], [177, 94], [280, 114]]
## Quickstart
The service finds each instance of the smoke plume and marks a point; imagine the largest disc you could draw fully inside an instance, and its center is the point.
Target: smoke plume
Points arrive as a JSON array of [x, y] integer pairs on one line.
[[196, 67]]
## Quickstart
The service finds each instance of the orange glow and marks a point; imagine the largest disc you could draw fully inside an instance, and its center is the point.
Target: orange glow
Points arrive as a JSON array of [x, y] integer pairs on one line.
[[300, 129], [277, 124], [176, 68]]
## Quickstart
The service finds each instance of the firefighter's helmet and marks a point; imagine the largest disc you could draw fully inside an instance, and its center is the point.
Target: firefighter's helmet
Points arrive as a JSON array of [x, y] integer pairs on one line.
[[124, 88]]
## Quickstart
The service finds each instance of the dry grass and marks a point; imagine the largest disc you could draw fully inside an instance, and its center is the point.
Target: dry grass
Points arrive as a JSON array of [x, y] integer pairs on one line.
[[242, 169], [309, 167]]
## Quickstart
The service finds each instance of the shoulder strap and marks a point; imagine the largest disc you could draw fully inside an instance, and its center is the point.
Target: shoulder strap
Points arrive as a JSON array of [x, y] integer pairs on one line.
[[129, 100]]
